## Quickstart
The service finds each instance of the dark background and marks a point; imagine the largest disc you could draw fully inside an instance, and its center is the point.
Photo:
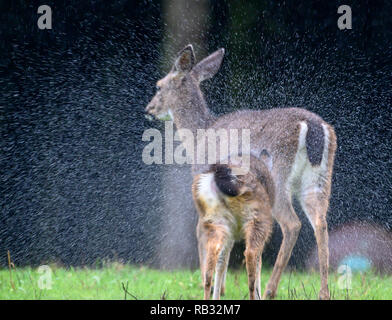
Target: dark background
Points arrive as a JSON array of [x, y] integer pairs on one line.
[[73, 187]]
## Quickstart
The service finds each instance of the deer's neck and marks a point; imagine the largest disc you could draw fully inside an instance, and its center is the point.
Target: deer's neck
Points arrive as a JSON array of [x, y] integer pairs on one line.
[[193, 113]]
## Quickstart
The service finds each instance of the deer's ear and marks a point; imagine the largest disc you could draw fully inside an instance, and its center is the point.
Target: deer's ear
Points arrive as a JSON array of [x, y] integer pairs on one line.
[[185, 59], [209, 66]]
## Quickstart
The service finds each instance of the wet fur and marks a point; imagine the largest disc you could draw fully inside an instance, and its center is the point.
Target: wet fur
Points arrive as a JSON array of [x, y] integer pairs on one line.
[[234, 208], [300, 143], [315, 142]]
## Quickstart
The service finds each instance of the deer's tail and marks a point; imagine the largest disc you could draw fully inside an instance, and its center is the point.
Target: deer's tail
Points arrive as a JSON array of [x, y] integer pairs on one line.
[[225, 180], [315, 141]]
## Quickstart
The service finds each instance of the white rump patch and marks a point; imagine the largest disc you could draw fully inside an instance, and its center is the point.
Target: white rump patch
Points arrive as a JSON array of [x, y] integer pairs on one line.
[[303, 174], [314, 178], [300, 161], [207, 189]]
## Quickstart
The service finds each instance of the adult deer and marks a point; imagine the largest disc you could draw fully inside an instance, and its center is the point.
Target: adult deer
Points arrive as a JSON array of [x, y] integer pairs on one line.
[[301, 145]]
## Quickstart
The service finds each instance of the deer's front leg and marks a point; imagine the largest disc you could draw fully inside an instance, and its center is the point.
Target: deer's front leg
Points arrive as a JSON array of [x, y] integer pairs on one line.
[[221, 268], [257, 233]]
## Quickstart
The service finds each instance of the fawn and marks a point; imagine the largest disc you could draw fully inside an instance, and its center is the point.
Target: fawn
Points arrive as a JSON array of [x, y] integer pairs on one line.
[[300, 144], [233, 207]]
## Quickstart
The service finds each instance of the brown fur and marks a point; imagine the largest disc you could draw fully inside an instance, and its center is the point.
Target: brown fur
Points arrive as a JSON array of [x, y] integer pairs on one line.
[[244, 216], [275, 130]]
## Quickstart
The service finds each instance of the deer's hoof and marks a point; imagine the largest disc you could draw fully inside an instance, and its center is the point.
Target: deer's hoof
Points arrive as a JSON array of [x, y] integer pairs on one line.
[[269, 294], [324, 295]]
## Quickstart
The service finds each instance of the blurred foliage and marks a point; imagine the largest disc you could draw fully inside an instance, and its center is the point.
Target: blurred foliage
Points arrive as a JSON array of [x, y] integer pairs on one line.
[[73, 186]]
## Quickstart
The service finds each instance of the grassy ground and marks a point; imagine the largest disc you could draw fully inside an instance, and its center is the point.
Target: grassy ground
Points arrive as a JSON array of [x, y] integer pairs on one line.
[[143, 283]]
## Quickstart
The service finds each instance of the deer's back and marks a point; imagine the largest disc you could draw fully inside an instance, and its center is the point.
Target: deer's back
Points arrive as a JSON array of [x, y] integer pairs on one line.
[[277, 131]]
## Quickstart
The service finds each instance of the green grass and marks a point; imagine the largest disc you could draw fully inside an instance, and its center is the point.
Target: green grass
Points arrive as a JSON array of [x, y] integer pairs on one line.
[[143, 283]]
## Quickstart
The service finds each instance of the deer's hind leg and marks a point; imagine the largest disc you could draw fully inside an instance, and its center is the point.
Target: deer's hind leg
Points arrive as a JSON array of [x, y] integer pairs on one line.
[[315, 205], [202, 247], [290, 226], [216, 247], [221, 268], [314, 198], [225, 265], [209, 235], [257, 233], [258, 277], [203, 236]]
